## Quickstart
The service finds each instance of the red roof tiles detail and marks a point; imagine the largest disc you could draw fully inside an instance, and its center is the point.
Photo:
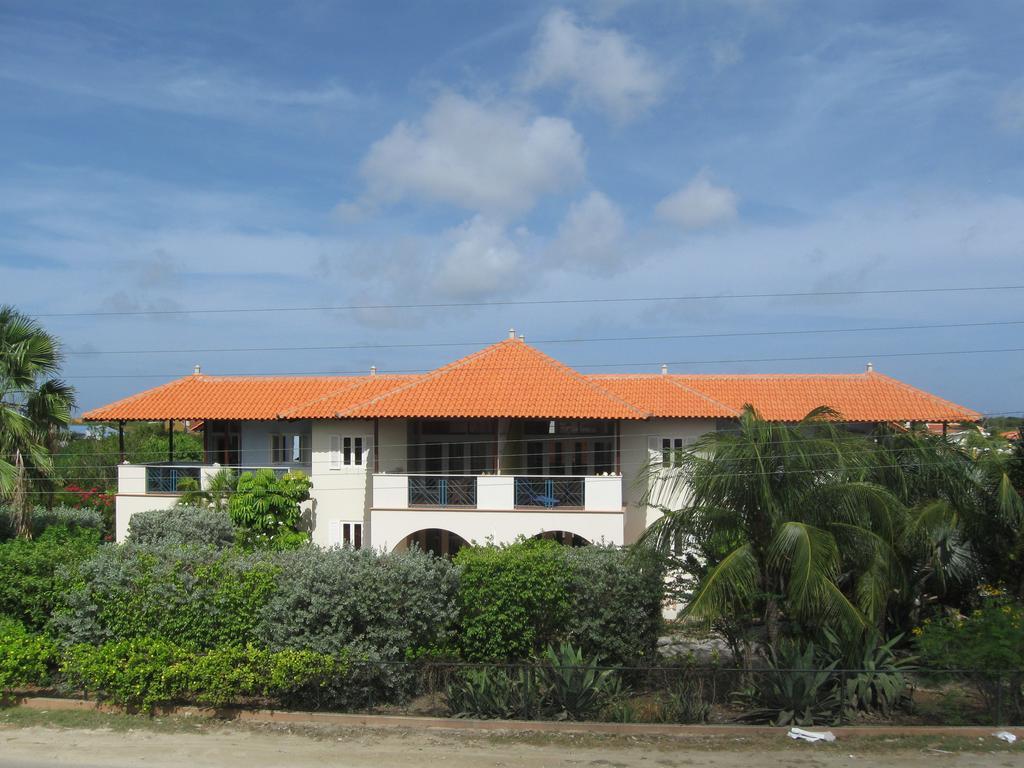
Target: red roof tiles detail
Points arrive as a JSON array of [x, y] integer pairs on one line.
[[512, 379]]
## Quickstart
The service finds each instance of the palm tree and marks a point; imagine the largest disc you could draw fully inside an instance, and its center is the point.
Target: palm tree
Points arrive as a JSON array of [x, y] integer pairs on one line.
[[215, 496], [781, 524], [35, 407]]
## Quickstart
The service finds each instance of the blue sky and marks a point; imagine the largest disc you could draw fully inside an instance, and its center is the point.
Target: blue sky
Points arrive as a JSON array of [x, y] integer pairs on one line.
[[197, 155]]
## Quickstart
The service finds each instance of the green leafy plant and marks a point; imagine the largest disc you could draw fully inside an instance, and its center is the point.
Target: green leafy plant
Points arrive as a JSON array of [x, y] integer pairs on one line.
[[877, 680], [219, 488], [25, 659], [512, 600], [990, 643], [574, 685], [132, 673], [31, 581], [793, 689], [685, 703], [266, 507]]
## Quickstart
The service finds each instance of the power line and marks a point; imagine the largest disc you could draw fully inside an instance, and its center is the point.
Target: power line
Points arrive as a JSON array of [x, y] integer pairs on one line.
[[724, 361], [720, 335], [534, 302]]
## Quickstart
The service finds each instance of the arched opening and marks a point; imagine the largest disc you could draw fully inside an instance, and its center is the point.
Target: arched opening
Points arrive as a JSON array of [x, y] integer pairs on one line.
[[568, 538], [439, 541]]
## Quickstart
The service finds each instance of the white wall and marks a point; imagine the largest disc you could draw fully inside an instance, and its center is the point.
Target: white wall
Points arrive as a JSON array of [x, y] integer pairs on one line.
[[637, 439], [392, 436], [390, 527], [340, 494]]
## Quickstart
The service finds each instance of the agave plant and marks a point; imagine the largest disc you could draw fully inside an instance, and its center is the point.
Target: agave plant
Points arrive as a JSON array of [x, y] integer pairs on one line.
[[490, 693], [575, 686], [877, 680], [793, 690]]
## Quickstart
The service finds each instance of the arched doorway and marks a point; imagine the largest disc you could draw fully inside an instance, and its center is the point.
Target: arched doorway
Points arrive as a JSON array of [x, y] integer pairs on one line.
[[436, 540], [568, 538]]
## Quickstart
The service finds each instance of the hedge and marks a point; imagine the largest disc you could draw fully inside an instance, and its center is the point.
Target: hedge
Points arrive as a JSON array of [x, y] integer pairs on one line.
[[43, 518], [516, 600], [197, 596], [26, 660], [32, 578], [184, 526]]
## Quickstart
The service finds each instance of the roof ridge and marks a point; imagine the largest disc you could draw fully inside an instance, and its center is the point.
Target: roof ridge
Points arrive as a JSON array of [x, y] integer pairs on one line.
[[943, 401], [703, 395], [581, 377], [455, 364]]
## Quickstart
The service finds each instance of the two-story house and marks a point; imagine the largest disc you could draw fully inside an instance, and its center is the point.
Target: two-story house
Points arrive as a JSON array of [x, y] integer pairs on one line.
[[504, 442]]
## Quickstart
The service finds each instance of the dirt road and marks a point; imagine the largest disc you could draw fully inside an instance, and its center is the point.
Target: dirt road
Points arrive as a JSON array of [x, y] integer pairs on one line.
[[231, 746]]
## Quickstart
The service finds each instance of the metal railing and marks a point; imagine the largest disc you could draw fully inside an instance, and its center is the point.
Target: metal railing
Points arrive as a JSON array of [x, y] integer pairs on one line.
[[164, 478], [442, 491], [549, 492]]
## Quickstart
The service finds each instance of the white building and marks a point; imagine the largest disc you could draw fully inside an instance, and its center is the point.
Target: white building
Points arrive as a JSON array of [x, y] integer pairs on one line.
[[504, 442]]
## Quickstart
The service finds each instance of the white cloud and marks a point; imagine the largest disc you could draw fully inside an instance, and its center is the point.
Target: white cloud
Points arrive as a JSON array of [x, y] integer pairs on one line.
[[591, 234], [699, 204], [1010, 109], [481, 260], [481, 156], [602, 68]]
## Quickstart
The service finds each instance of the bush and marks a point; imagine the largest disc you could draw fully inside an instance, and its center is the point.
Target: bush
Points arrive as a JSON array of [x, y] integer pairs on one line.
[[195, 596], [384, 605], [990, 643], [615, 601], [513, 600], [131, 673], [516, 600], [183, 526], [42, 518], [25, 659], [31, 579]]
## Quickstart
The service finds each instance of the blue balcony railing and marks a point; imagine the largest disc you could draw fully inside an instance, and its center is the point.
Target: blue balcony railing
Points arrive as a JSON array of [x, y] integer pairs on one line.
[[442, 491], [162, 478], [550, 492]]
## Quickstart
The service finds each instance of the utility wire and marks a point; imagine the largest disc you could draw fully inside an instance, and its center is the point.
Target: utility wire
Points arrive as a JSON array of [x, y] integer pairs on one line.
[[671, 337], [534, 302], [723, 361]]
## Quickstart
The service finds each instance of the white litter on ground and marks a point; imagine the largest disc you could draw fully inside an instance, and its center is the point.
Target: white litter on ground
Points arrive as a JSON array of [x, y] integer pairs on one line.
[[1006, 736], [800, 733]]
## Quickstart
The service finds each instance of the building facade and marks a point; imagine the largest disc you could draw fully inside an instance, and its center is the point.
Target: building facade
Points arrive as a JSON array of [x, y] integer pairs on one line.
[[503, 443]]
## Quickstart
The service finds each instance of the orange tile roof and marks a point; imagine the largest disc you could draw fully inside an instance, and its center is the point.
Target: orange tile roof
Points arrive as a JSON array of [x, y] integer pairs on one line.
[[514, 380], [224, 397], [868, 396], [507, 379]]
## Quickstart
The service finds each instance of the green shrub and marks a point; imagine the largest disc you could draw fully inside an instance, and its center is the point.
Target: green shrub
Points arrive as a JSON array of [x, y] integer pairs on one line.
[[615, 600], [383, 605], [188, 595], [182, 526], [25, 659], [990, 643], [513, 600], [43, 518], [312, 680], [31, 579], [132, 673]]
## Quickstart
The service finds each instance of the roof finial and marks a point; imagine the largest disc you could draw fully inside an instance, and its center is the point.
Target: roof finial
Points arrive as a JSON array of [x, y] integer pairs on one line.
[[373, 370], [197, 370], [664, 369], [511, 333], [522, 337], [869, 367]]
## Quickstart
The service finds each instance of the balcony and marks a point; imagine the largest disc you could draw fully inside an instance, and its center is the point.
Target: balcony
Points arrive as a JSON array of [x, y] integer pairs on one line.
[[162, 479], [590, 493]]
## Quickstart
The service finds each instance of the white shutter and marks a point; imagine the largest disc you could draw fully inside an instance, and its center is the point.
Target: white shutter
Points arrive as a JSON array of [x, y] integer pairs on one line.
[[654, 449], [335, 533], [335, 451]]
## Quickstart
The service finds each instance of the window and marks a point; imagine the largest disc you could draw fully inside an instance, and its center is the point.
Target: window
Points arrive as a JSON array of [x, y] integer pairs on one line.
[[223, 441], [289, 449], [603, 457], [346, 451], [352, 535], [359, 450], [671, 451]]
